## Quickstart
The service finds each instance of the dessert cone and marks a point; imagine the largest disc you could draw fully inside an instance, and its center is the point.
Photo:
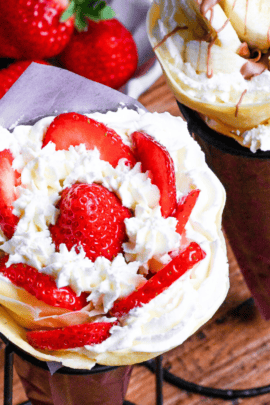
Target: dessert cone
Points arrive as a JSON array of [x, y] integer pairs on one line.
[[20, 311], [245, 176], [187, 303]]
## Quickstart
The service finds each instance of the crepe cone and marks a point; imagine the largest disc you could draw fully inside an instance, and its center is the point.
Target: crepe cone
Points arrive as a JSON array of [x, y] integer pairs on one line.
[[245, 176], [202, 68]]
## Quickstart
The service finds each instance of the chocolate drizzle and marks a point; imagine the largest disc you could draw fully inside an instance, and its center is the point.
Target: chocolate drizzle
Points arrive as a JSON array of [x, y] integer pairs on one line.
[[169, 35], [244, 50], [257, 62], [256, 66], [245, 32], [239, 103], [209, 73], [207, 5]]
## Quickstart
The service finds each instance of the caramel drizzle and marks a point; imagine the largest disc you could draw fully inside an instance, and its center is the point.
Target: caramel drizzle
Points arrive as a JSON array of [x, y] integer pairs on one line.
[[268, 36], [176, 29], [239, 103]]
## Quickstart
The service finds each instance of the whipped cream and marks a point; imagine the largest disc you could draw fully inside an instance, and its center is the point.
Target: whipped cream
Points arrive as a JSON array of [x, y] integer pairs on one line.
[[176, 313], [258, 138]]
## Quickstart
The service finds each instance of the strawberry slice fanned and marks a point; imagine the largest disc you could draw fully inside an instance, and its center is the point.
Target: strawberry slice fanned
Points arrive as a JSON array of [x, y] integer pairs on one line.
[[8, 179], [160, 281], [70, 337], [42, 286], [155, 158], [184, 209], [71, 129]]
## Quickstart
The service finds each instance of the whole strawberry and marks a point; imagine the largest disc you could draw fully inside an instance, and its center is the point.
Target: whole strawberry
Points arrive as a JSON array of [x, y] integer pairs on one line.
[[9, 75], [31, 29], [93, 217], [105, 52]]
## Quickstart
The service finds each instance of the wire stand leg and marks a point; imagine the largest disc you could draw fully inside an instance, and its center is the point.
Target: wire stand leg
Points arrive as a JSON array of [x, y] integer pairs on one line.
[[8, 375], [159, 381]]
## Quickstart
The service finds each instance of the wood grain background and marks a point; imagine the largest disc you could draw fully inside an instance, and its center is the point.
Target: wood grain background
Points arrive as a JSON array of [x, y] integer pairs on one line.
[[230, 351]]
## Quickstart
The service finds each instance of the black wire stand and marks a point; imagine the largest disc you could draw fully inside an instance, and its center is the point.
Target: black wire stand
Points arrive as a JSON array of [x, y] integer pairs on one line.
[[155, 366], [10, 349]]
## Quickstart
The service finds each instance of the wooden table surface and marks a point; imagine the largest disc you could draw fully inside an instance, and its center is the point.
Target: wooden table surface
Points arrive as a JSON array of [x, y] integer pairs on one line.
[[231, 351]]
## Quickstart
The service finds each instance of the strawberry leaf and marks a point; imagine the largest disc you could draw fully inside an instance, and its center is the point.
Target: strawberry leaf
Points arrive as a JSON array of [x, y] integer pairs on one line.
[[82, 9]]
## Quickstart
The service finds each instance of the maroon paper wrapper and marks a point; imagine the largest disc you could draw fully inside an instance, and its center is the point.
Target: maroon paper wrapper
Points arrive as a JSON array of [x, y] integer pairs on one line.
[[246, 218], [43, 91], [100, 386]]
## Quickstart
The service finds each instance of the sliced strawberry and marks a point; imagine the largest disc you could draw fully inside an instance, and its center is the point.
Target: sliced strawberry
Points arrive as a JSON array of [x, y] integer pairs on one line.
[[73, 129], [93, 217], [8, 179], [42, 286], [160, 281], [70, 337], [184, 209], [156, 158]]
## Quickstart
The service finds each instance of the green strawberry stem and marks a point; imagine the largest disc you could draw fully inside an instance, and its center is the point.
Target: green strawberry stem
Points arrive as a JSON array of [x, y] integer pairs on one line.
[[82, 9]]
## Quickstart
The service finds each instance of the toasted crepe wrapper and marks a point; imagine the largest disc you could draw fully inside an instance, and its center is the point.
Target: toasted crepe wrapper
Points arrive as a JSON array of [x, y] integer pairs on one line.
[[17, 335], [35, 314], [106, 386], [223, 117], [42, 91]]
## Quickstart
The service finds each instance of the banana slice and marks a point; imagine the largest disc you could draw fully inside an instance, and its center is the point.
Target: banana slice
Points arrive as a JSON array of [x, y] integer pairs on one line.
[[203, 74], [251, 21], [214, 59], [215, 23]]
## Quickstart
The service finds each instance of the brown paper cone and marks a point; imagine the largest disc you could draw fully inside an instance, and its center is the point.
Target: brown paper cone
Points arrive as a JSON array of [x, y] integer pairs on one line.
[[246, 219], [101, 386]]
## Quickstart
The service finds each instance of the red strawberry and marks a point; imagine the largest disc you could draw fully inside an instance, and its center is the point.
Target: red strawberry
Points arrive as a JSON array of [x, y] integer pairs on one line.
[[42, 286], [160, 281], [73, 129], [105, 52], [70, 337], [9, 75], [184, 209], [8, 180], [92, 216], [30, 29], [155, 157]]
